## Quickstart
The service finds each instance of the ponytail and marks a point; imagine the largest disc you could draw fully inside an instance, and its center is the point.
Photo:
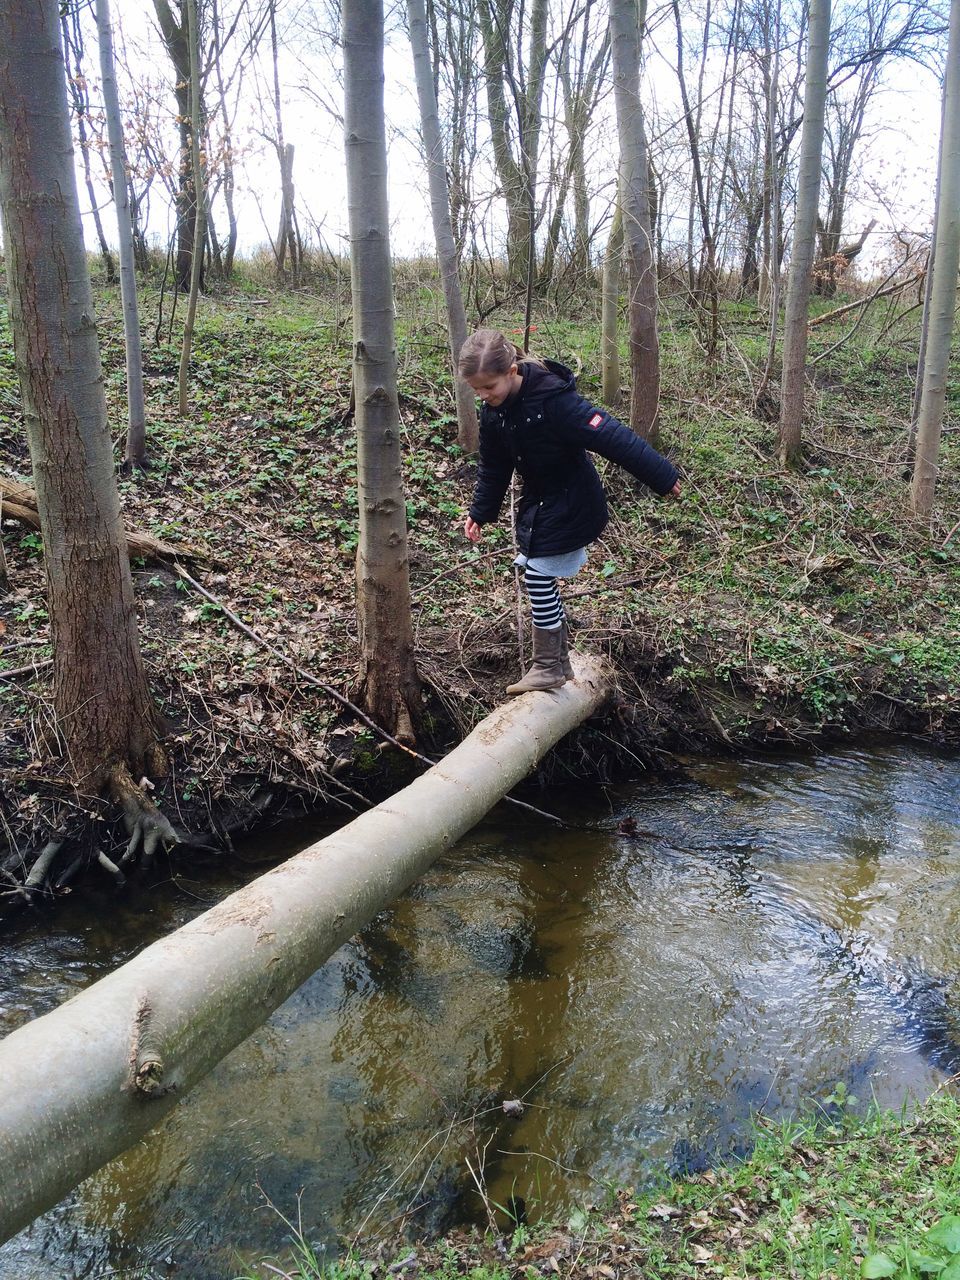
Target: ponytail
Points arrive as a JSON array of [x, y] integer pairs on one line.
[[489, 352]]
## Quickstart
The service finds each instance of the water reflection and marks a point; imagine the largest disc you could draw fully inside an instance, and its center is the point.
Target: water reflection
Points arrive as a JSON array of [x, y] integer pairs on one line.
[[775, 926]]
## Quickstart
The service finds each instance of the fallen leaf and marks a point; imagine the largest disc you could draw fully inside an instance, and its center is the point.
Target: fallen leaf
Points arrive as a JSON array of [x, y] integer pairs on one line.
[[700, 1221], [663, 1211]]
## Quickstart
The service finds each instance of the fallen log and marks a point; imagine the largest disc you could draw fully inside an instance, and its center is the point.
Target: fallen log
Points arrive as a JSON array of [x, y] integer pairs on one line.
[[19, 502], [83, 1083]]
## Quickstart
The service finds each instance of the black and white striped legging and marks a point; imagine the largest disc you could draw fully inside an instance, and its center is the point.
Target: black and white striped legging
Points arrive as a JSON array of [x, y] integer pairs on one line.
[[545, 604]]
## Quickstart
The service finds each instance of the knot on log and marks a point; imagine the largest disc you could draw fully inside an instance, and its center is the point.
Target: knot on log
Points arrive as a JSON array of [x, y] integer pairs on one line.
[[382, 507], [149, 1076]]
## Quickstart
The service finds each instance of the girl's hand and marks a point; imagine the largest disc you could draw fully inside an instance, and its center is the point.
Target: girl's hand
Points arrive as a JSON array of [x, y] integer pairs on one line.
[[471, 529], [674, 492]]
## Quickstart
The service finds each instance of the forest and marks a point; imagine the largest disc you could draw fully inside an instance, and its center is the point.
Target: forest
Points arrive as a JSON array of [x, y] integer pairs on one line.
[[227, 434], [235, 456]]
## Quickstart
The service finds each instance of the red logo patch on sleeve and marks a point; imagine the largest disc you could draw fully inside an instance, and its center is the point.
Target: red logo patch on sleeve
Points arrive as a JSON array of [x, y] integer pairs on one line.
[[595, 421]]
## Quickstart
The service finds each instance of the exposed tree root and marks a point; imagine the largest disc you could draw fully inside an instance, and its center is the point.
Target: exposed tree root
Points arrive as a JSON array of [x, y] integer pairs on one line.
[[37, 879], [147, 827]]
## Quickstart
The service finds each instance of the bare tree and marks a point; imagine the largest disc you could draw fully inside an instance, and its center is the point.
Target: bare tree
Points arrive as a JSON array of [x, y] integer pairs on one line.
[[943, 287], [176, 38], [389, 685], [625, 28], [454, 32], [804, 234], [706, 284], [467, 427], [105, 716], [287, 241], [514, 85], [199, 206], [135, 454], [80, 101]]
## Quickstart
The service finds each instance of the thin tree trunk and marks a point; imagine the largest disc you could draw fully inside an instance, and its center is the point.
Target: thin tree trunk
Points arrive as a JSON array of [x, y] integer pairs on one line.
[[705, 282], [286, 239], [229, 179], [610, 309], [135, 454], [73, 47], [467, 428], [517, 174], [103, 707], [157, 1025], [804, 235], [389, 686], [199, 237], [177, 41], [635, 203], [943, 288]]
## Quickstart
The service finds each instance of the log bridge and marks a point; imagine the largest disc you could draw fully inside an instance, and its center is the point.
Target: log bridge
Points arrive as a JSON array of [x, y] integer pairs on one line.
[[83, 1083]]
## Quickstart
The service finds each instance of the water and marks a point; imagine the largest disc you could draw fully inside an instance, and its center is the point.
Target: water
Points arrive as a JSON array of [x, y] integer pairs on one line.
[[773, 927]]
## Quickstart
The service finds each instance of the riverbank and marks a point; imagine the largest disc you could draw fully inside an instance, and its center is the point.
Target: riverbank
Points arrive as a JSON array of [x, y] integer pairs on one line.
[[767, 608], [831, 1195]]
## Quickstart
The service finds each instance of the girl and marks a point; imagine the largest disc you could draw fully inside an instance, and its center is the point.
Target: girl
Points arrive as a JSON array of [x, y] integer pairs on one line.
[[534, 422]]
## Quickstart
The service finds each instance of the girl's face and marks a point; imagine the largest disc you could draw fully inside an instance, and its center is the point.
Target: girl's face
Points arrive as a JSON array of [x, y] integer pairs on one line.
[[494, 388]]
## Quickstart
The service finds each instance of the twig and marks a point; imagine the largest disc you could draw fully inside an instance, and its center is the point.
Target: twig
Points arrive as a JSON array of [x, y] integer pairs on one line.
[[30, 669]]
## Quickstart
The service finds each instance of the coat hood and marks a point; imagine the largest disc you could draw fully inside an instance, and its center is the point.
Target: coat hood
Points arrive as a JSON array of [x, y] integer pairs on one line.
[[540, 383]]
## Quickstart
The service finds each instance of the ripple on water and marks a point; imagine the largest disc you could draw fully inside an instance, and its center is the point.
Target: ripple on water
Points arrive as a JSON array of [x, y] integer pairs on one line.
[[777, 926]]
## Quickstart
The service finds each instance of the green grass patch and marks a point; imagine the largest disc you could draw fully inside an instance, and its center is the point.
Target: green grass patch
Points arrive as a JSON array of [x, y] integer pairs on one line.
[[830, 1195]]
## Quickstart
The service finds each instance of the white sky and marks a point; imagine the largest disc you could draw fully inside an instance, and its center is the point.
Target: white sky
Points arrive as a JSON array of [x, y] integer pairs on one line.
[[898, 163]]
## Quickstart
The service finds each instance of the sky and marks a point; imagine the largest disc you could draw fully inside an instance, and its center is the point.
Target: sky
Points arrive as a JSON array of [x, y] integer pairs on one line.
[[898, 161]]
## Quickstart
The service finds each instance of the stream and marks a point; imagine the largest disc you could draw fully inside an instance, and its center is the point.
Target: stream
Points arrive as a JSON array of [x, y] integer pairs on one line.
[[765, 929]]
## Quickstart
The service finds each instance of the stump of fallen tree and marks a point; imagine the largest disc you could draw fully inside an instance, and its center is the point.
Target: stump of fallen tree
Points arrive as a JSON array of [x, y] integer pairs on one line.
[[83, 1083]]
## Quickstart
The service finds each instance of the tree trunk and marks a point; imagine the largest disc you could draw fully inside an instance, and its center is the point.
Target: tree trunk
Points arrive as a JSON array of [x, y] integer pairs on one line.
[[286, 237], [176, 39], [706, 284], [199, 237], [943, 286], [73, 47], [136, 449], [467, 428], [517, 173], [83, 1083], [229, 178], [389, 686], [635, 203], [804, 235], [609, 311], [103, 708]]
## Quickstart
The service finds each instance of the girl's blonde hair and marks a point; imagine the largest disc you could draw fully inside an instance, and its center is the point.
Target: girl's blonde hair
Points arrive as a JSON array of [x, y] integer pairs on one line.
[[488, 352]]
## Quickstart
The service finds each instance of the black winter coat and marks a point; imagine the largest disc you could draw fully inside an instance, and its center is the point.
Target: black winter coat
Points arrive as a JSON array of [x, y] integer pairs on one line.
[[543, 432]]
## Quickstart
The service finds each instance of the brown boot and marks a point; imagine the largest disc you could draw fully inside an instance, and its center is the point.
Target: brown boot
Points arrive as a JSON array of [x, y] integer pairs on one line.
[[546, 671], [565, 651]]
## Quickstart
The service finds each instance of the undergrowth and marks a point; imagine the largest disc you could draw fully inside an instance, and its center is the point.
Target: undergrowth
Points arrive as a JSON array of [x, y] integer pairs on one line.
[[765, 607]]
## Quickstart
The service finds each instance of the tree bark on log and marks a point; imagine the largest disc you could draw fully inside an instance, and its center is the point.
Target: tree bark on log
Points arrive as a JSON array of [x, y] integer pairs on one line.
[[83, 1083]]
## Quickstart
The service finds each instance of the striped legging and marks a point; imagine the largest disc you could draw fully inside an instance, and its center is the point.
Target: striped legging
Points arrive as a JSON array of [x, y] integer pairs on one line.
[[545, 604]]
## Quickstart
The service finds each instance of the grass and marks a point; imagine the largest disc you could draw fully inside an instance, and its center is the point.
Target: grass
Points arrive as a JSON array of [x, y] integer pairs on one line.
[[829, 1195]]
